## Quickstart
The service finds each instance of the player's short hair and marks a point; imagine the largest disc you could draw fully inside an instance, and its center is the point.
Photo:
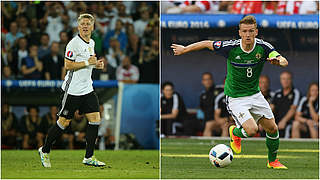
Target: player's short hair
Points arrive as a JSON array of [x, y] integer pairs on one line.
[[86, 15], [167, 83], [265, 76], [248, 20]]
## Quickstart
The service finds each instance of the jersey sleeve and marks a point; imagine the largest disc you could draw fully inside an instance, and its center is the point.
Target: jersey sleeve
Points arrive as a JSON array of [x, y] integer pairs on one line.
[[270, 50], [223, 47], [71, 51]]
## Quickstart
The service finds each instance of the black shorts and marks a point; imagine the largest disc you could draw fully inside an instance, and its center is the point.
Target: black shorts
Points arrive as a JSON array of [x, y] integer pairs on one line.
[[85, 104]]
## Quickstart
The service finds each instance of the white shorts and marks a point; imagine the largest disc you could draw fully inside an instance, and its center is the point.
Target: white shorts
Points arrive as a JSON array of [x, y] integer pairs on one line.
[[244, 108]]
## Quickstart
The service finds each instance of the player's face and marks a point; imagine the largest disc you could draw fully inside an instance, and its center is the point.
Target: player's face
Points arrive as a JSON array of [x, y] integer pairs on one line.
[[167, 91], [285, 80], [207, 81], [248, 32], [85, 27], [263, 84], [314, 91]]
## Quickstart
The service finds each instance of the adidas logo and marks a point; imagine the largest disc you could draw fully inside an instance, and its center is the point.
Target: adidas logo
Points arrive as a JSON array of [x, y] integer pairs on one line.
[[238, 57]]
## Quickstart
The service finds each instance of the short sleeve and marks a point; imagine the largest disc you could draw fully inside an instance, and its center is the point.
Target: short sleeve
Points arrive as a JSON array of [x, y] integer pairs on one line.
[[71, 52], [223, 47]]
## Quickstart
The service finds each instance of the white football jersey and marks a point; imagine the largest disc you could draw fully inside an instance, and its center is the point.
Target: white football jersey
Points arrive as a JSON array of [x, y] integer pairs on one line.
[[79, 82]]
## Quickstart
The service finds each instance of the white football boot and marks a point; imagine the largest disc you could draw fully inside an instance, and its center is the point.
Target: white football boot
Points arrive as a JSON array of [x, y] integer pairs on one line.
[[45, 160]]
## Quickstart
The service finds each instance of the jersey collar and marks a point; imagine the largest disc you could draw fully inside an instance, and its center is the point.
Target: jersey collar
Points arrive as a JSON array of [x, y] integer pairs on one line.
[[254, 45], [83, 39]]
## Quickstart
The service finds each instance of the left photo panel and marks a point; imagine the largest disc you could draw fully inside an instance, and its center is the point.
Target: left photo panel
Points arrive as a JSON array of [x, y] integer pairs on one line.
[[80, 90]]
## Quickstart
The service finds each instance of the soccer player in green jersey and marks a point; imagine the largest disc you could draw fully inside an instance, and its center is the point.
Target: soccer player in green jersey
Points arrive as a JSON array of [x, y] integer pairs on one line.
[[245, 102]]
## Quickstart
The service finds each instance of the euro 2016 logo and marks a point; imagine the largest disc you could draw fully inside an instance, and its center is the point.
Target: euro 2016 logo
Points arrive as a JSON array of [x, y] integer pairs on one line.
[[217, 44], [69, 54]]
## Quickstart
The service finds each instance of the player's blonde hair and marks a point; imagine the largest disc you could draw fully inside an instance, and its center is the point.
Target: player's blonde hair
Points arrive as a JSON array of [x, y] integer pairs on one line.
[[248, 20], [88, 16]]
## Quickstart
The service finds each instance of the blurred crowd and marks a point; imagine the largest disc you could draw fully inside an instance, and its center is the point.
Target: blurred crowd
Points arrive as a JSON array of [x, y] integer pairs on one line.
[[29, 131], [297, 116], [240, 7], [34, 36]]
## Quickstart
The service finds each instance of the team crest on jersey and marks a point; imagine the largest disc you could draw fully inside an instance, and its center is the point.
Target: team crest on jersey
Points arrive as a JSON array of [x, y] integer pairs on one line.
[[69, 54], [258, 55], [217, 44], [241, 115]]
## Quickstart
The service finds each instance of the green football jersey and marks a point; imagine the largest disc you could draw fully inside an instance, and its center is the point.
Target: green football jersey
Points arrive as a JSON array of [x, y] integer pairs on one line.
[[243, 68]]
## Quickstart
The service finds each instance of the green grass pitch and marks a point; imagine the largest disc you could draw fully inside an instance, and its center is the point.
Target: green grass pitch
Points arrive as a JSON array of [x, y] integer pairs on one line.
[[67, 164], [188, 158]]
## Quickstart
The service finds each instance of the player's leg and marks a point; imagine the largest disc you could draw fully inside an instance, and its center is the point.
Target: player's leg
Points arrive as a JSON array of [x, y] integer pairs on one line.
[[262, 112], [68, 107], [238, 108], [272, 142], [91, 109]]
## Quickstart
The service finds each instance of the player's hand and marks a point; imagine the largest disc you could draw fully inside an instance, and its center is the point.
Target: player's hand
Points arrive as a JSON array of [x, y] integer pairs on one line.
[[92, 60], [100, 64], [274, 61], [177, 49]]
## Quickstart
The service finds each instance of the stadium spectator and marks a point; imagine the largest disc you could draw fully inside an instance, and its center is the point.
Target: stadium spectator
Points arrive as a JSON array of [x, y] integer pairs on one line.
[[102, 74], [264, 84], [307, 116], [17, 55], [78, 128], [35, 33], [117, 34], [64, 39], [221, 114], [149, 67], [122, 15], [7, 73], [301, 7], [12, 35], [114, 57], [30, 126], [193, 7], [127, 72], [247, 7], [207, 99], [140, 24], [54, 64], [110, 10], [104, 132], [284, 104], [23, 25], [133, 42], [48, 120], [173, 111], [9, 127], [31, 66], [101, 19], [44, 48], [53, 19]]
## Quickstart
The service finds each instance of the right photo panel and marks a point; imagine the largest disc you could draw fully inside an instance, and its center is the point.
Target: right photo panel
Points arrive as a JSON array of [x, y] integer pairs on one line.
[[239, 89]]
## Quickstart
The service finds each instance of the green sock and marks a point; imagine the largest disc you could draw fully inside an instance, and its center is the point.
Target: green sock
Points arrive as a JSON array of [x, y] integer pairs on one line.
[[240, 132], [272, 142]]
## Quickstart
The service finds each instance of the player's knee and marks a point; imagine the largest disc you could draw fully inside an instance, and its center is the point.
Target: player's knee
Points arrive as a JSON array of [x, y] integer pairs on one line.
[[273, 129], [63, 122], [252, 131]]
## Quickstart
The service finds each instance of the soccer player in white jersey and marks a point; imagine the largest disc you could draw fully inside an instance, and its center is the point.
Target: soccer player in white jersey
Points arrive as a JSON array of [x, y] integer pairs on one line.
[[245, 102], [78, 92]]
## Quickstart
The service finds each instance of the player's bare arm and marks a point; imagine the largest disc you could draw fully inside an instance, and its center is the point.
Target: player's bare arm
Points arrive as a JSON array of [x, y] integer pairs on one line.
[[71, 65], [280, 61], [180, 49]]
